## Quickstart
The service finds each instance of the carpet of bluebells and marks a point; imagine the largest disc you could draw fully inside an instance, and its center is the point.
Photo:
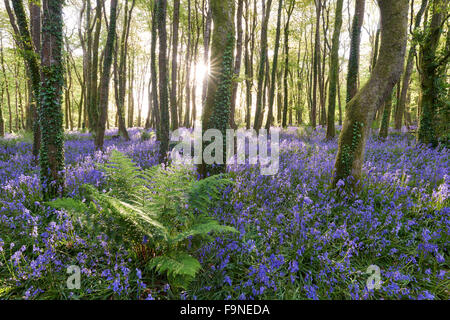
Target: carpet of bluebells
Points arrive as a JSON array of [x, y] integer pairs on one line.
[[299, 238]]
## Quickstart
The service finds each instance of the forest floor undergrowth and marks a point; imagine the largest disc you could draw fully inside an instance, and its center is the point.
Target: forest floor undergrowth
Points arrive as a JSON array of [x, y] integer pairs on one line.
[[298, 237]]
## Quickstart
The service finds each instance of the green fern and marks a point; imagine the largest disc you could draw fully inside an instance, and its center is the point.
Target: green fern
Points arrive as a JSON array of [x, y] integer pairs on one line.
[[165, 205]]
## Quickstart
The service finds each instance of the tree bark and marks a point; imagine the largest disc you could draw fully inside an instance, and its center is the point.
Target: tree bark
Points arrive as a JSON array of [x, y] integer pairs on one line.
[[408, 71], [216, 111], [50, 113], [163, 92], [360, 110], [274, 67], [173, 92], [259, 114], [353, 61], [334, 70]]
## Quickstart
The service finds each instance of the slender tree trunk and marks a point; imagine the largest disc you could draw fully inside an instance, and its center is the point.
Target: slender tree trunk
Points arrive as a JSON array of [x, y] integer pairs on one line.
[[274, 67], [286, 65], [408, 71], [163, 92], [259, 114], [237, 61], [353, 61], [105, 76], [334, 70], [316, 61], [154, 74], [173, 92]]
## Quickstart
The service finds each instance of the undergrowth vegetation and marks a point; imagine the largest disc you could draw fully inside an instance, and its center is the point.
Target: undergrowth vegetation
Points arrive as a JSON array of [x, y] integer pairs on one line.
[[138, 230]]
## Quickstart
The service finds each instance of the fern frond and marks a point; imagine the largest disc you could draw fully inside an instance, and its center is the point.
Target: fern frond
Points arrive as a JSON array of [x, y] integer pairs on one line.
[[178, 264]]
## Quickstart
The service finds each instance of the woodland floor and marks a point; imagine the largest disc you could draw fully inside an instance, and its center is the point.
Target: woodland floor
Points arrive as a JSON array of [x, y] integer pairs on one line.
[[298, 239]]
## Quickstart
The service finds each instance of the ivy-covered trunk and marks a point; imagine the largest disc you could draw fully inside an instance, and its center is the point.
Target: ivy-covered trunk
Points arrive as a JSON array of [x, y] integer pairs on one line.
[[360, 110], [50, 112], [30, 45], [216, 111], [430, 66], [105, 77]]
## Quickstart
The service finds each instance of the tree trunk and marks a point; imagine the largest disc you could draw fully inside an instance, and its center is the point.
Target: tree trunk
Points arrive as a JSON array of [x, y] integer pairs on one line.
[[334, 70], [31, 48], [173, 92], [274, 67], [163, 92], [216, 111], [237, 61], [105, 76], [360, 110], [286, 65], [50, 115], [429, 75], [384, 129], [408, 71], [353, 61], [259, 114]]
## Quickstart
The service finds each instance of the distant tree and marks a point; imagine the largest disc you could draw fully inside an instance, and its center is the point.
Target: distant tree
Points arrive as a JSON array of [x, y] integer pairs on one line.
[[30, 48], [237, 61], [173, 89], [360, 109], [334, 70], [105, 76], [408, 70], [274, 66], [259, 113], [289, 10]]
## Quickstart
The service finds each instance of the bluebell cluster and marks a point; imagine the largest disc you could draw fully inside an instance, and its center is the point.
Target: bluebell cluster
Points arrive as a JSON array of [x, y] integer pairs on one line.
[[299, 238]]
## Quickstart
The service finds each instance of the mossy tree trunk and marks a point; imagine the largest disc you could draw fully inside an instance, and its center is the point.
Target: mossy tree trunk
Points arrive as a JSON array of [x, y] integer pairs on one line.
[[430, 69], [360, 110], [30, 48], [334, 70], [105, 76], [50, 112], [384, 129], [353, 61], [216, 110]]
